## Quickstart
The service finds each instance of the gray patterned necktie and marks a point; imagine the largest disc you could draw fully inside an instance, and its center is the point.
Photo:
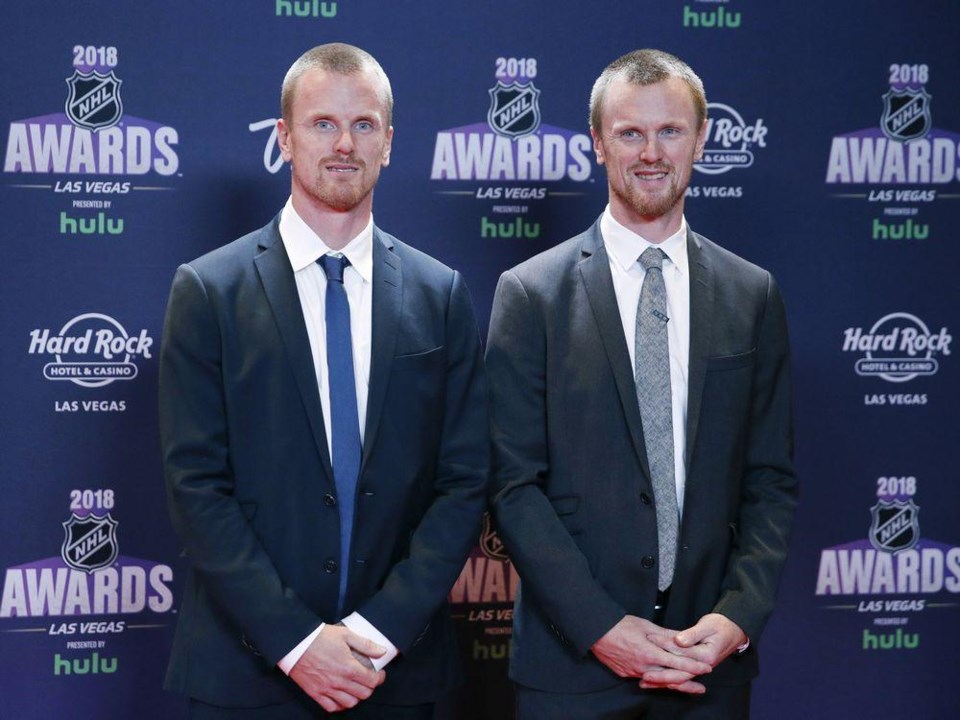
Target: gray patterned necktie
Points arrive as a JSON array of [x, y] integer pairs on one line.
[[652, 375]]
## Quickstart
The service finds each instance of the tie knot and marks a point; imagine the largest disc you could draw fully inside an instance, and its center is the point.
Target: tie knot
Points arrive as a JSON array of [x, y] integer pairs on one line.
[[652, 257], [333, 266]]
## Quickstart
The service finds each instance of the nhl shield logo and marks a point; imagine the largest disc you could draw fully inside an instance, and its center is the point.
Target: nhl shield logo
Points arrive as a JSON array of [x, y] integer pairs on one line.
[[93, 101], [89, 543], [906, 114], [490, 543], [895, 525], [514, 109]]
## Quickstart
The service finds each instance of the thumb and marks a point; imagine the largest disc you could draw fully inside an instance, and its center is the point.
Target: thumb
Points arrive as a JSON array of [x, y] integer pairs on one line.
[[691, 636], [364, 646]]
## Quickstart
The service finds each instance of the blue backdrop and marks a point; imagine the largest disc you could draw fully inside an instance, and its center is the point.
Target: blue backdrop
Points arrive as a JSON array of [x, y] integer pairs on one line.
[[138, 135]]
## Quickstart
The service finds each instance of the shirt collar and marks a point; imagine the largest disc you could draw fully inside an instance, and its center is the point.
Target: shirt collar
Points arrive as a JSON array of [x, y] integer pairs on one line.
[[626, 247], [304, 247]]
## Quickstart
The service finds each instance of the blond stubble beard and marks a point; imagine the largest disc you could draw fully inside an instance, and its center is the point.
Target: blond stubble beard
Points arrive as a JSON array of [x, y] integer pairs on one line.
[[652, 207]]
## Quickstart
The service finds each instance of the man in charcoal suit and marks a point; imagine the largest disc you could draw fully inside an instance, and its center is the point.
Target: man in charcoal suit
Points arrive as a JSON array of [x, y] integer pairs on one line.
[[642, 455]]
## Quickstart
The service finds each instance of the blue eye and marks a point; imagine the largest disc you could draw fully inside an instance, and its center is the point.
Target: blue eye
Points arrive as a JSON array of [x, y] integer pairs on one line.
[[324, 125]]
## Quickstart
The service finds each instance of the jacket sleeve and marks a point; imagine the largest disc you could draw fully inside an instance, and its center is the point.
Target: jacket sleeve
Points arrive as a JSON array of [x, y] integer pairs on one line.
[[546, 556], [228, 559], [768, 494]]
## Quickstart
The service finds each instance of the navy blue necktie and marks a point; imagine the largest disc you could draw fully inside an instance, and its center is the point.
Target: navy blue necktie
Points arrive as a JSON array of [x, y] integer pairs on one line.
[[344, 420]]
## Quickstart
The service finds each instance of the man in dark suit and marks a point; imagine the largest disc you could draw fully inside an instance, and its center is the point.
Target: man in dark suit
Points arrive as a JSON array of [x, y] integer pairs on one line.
[[642, 472], [325, 435]]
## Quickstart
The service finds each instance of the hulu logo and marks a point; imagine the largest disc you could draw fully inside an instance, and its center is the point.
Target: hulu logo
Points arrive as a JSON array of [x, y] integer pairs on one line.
[[900, 231], [516, 229], [719, 18], [92, 665], [306, 8], [97, 225], [890, 641], [496, 651]]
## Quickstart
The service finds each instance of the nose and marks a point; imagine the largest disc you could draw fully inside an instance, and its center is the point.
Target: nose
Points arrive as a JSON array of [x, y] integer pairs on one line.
[[344, 143], [651, 151]]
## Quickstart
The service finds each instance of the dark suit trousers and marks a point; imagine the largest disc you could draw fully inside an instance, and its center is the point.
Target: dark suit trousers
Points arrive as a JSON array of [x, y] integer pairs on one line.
[[302, 708], [627, 701]]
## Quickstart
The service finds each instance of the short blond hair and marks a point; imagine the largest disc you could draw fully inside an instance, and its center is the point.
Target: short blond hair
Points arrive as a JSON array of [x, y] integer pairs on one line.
[[339, 58], [647, 67]]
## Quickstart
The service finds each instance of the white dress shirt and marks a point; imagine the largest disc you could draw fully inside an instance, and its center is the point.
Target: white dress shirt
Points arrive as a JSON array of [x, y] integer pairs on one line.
[[624, 248], [304, 248]]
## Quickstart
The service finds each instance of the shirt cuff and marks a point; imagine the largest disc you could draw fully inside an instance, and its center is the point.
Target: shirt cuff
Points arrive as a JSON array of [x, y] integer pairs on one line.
[[743, 648], [291, 658], [356, 623]]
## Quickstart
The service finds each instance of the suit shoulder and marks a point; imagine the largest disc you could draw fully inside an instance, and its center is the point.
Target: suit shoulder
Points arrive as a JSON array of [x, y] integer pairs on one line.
[[730, 265], [418, 264], [236, 255], [552, 262]]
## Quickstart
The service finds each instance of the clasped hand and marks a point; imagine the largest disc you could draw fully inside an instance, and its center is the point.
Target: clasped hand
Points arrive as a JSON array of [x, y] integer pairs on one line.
[[336, 670], [665, 658]]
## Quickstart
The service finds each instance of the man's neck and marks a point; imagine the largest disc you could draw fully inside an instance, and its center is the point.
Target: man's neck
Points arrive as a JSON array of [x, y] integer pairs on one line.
[[653, 229], [335, 228]]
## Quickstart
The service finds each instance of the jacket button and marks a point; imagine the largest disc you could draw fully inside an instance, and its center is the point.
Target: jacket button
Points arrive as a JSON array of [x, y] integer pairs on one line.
[[330, 566], [648, 562], [645, 499], [329, 500]]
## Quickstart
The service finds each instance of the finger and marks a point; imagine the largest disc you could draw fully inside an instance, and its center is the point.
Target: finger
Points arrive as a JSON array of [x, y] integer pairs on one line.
[[327, 704], [690, 687], [676, 661], [700, 652], [344, 700], [364, 646], [358, 690], [363, 660], [691, 636], [666, 676], [658, 630], [367, 677], [664, 642]]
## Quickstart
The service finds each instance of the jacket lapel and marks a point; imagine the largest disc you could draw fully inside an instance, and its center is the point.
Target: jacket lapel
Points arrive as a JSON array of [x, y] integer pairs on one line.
[[280, 287], [595, 271], [387, 298], [701, 327]]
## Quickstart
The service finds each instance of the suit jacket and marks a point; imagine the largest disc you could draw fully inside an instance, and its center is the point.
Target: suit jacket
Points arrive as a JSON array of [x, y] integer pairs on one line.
[[571, 487], [250, 483]]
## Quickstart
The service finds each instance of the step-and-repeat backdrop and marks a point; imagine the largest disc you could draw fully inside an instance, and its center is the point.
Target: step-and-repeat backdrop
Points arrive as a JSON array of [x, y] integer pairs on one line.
[[136, 136]]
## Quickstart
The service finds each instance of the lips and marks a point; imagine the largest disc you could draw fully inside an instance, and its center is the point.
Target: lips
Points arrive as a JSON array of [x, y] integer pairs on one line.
[[652, 173], [340, 166]]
